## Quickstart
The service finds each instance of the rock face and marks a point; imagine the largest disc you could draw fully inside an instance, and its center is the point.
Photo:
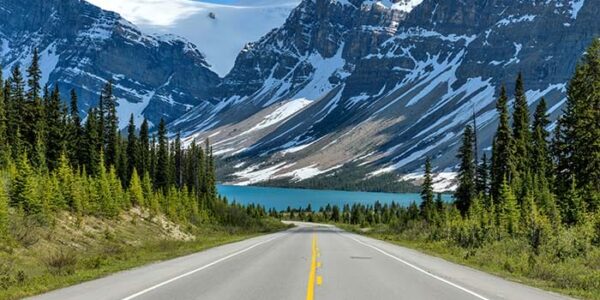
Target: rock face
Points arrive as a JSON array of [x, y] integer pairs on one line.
[[83, 47], [382, 85]]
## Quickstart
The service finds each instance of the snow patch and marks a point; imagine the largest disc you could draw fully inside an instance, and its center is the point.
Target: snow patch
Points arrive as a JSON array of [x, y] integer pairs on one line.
[[281, 114]]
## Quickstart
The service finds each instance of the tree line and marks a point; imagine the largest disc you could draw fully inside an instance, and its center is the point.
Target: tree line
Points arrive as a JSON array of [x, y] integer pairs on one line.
[[52, 160]]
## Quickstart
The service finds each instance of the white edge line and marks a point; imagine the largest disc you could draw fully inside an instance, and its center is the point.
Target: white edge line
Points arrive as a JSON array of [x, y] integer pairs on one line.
[[420, 269], [199, 269]]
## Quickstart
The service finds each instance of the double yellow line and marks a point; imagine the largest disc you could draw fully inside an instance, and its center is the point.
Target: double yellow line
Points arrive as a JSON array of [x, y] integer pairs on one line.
[[312, 275]]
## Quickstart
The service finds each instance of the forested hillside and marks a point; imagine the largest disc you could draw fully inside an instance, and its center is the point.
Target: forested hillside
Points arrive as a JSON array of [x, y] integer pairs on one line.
[[63, 179], [531, 212]]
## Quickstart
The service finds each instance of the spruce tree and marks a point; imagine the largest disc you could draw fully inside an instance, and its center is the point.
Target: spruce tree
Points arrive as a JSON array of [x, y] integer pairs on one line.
[[508, 209], [136, 193], [76, 133], [133, 151], [91, 143], [17, 112], [35, 75], [427, 208], [161, 179], [482, 182], [466, 191], [55, 129], [521, 137], [541, 161], [24, 193], [581, 125], [178, 157], [502, 156], [144, 149], [111, 123]]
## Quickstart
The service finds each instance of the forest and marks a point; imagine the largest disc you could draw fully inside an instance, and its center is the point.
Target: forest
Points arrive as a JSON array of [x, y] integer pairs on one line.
[[78, 197]]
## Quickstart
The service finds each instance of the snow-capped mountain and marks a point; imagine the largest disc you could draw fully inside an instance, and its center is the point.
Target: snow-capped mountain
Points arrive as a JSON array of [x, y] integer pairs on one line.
[[380, 85], [83, 47], [220, 31]]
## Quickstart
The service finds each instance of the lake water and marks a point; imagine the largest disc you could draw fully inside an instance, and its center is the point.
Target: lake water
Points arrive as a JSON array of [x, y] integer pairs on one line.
[[281, 198]]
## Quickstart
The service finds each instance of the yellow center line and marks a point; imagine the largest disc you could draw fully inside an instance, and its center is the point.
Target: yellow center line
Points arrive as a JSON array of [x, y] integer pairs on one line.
[[310, 288]]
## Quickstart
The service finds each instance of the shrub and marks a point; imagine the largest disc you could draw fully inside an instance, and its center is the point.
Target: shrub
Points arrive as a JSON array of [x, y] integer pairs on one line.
[[61, 262]]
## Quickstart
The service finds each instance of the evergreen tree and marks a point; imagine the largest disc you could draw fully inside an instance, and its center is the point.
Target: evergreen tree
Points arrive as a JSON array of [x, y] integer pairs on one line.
[[55, 129], [144, 149], [111, 129], [427, 208], [482, 182], [521, 135], [136, 193], [35, 75], [466, 174], [541, 161], [76, 134], [17, 112], [132, 150], [178, 161], [161, 179], [92, 143], [502, 156], [581, 125], [24, 191], [508, 209]]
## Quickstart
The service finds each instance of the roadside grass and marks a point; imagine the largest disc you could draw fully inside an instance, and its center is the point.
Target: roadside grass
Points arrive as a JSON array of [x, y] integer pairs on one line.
[[577, 277], [81, 250]]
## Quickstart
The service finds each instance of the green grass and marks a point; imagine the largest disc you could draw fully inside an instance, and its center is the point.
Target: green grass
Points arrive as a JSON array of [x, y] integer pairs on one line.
[[574, 276], [62, 257]]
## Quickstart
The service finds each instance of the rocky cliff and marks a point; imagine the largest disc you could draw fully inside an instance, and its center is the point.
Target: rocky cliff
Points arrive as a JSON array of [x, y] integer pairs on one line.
[[381, 85], [83, 47]]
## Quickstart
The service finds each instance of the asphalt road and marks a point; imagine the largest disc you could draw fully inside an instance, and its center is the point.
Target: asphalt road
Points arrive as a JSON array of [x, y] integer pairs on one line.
[[307, 262]]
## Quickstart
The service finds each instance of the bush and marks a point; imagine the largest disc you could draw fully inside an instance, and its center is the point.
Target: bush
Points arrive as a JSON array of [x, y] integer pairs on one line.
[[61, 262]]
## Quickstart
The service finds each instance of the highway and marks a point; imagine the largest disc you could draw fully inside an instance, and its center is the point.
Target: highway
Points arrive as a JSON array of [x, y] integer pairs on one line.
[[307, 262]]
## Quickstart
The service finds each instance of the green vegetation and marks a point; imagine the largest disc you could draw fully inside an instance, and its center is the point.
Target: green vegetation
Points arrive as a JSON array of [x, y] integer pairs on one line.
[[350, 177], [78, 201], [536, 219]]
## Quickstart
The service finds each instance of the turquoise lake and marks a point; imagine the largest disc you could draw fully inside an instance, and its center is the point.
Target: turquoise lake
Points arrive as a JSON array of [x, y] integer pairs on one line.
[[281, 198]]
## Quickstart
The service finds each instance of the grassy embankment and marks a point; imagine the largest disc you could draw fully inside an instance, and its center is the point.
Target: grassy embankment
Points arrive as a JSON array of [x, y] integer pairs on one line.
[[574, 275], [74, 250]]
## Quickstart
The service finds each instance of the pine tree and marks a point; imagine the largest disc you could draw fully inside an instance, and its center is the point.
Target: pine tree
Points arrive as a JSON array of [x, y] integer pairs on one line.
[[210, 174], [581, 125], [482, 182], [35, 75], [132, 150], [521, 134], [76, 134], [17, 112], [502, 156], [161, 179], [111, 129], [541, 161], [91, 142], [24, 193], [465, 191], [144, 149], [55, 129], [508, 209], [178, 161], [136, 193], [427, 208]]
